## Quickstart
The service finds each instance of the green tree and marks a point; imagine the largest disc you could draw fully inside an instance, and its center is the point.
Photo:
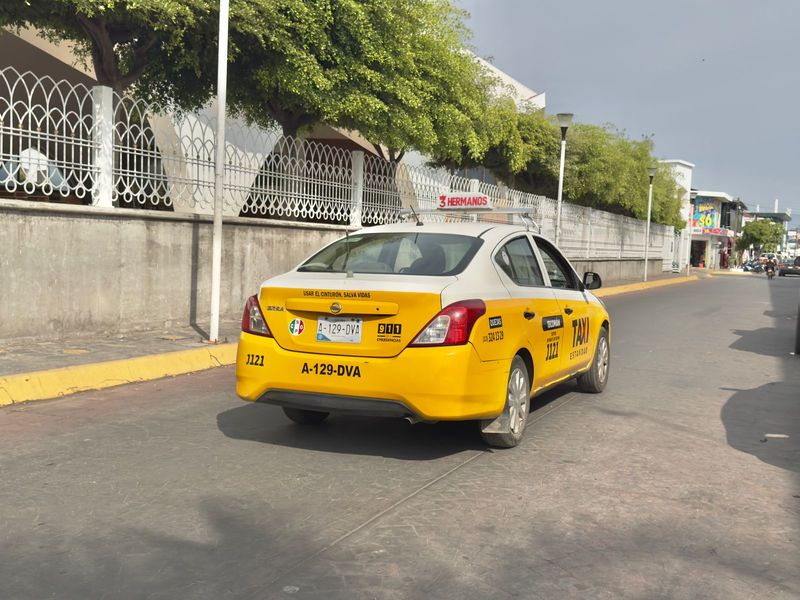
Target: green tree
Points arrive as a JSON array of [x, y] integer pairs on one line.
[[603, 169], [395, 71], [763, 234], [122, 39]]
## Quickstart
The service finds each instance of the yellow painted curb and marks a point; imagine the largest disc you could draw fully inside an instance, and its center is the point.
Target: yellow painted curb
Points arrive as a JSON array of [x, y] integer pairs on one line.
[[635, 287], [43, 385], [745, 273]]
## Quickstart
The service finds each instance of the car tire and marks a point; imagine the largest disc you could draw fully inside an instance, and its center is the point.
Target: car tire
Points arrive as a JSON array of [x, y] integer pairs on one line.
[[518, 404], [305, 417], [594, 380]]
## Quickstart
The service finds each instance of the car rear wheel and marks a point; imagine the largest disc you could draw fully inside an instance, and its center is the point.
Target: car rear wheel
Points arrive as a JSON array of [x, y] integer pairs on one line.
[[305, 417], [594, 380], [518, 398]]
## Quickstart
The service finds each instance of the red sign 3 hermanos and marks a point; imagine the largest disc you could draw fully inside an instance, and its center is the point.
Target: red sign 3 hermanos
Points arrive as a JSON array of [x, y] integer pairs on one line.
[[464, 201]]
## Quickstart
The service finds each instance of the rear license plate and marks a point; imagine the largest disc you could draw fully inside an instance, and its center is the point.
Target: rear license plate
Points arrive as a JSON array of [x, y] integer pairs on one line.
[[344, 330]]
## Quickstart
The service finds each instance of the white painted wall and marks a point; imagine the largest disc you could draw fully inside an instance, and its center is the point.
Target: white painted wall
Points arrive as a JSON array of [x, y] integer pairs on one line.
[[682, 172]]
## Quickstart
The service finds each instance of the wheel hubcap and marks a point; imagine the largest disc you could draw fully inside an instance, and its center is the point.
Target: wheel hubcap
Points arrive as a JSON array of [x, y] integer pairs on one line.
[[602, 359], [517, 401]]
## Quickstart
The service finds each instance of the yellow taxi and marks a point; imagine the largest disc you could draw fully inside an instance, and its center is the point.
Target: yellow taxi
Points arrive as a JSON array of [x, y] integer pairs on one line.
[[431, 322]]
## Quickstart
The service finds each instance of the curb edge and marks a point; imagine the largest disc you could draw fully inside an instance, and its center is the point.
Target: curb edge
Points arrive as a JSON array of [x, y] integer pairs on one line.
[[54, 383], [636, 287]]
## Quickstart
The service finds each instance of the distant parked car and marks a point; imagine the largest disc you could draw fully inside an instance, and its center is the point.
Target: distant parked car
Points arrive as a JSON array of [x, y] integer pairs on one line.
[[789, 267]]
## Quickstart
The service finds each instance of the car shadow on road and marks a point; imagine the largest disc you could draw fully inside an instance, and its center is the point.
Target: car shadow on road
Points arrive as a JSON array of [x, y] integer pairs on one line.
[[767, 341], [391, 438], [765, 422]]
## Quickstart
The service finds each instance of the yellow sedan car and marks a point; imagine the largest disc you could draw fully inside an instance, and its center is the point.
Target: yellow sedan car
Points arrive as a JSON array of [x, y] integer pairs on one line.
[[447, 321]]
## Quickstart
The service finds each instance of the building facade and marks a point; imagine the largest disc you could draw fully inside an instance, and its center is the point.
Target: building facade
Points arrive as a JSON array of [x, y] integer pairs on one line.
[[717, 219]]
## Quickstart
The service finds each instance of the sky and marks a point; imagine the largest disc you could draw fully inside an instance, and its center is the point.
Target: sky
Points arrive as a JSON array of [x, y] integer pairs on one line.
[[714, 82]]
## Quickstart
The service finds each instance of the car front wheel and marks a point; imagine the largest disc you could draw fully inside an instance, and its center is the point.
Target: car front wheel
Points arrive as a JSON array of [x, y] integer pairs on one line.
[[594, 380]]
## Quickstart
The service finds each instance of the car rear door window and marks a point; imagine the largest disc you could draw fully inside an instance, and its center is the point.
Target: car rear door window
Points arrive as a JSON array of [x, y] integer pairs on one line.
[[517, 260], [557, 267], [396, 253]]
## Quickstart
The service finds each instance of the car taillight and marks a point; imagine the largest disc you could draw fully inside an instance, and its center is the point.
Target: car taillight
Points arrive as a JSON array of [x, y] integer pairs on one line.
[[452, 326], [253, 319]]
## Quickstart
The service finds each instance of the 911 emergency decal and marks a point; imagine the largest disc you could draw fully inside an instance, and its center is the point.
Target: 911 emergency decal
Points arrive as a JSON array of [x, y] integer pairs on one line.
[[389, 332], [550, 323], [580, 337]]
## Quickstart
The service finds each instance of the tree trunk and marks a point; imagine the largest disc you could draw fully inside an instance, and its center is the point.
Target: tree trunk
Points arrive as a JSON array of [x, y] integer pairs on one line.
[[104, 54]]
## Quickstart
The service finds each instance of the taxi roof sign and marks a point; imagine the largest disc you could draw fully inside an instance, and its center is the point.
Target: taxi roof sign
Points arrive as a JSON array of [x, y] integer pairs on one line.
[[472, 213], [471, 201]]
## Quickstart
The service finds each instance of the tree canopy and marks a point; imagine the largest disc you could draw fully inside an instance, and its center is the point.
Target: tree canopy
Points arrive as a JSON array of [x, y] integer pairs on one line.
[[122, 39], [762, 233], [397, 71], [603, 169]]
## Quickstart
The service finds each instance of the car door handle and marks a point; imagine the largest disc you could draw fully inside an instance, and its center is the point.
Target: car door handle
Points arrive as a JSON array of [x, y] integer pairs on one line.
[[568, 311], [528, 315]]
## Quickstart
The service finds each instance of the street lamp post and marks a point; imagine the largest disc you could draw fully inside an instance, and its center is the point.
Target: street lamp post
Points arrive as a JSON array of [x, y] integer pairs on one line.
[[219, 172], [564, 121], [652, 173]]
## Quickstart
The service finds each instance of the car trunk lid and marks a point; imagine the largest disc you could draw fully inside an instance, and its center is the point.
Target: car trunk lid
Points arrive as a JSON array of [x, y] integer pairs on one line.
[[362, 315]]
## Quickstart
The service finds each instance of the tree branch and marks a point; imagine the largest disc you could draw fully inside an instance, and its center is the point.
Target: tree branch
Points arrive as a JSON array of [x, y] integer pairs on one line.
[[139, 61], [379, 150], [103, 55]]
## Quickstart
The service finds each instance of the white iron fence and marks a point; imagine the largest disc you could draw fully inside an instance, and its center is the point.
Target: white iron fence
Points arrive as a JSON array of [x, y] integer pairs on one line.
[[69, 143]]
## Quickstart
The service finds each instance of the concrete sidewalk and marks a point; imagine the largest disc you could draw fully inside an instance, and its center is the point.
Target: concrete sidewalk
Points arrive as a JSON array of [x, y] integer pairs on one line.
[[40, 370]]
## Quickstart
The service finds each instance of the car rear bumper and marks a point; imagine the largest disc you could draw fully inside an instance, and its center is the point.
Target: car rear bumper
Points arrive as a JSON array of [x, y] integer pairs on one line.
[[436, 384], [354, 405]]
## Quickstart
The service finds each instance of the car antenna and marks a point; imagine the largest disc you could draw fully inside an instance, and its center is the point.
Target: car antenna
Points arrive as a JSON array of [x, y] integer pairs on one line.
[[416, 217]]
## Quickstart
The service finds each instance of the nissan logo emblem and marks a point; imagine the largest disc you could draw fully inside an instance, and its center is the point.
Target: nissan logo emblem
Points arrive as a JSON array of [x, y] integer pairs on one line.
[[336, 308]]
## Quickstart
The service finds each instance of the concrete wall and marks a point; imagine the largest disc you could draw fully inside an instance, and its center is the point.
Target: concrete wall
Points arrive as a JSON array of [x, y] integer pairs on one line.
[[614, 271], [67, 270], [71, 270]]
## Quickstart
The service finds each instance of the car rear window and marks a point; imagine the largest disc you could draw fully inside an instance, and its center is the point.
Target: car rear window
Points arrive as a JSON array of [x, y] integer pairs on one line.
[[398, 253]]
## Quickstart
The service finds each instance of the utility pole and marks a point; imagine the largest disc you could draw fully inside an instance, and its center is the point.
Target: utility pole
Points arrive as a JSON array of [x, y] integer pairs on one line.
[[219, 172]]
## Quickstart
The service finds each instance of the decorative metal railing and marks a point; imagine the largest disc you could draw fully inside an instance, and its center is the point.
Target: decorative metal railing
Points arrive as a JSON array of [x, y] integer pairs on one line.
[[63, 142], [47, 137]]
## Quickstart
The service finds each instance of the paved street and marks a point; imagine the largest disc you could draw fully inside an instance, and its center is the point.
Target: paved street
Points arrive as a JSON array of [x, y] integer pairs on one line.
[[676, 482]]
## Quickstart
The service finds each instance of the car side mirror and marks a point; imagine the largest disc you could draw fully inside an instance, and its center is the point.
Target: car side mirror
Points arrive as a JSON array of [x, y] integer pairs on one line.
[[591, 280]]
